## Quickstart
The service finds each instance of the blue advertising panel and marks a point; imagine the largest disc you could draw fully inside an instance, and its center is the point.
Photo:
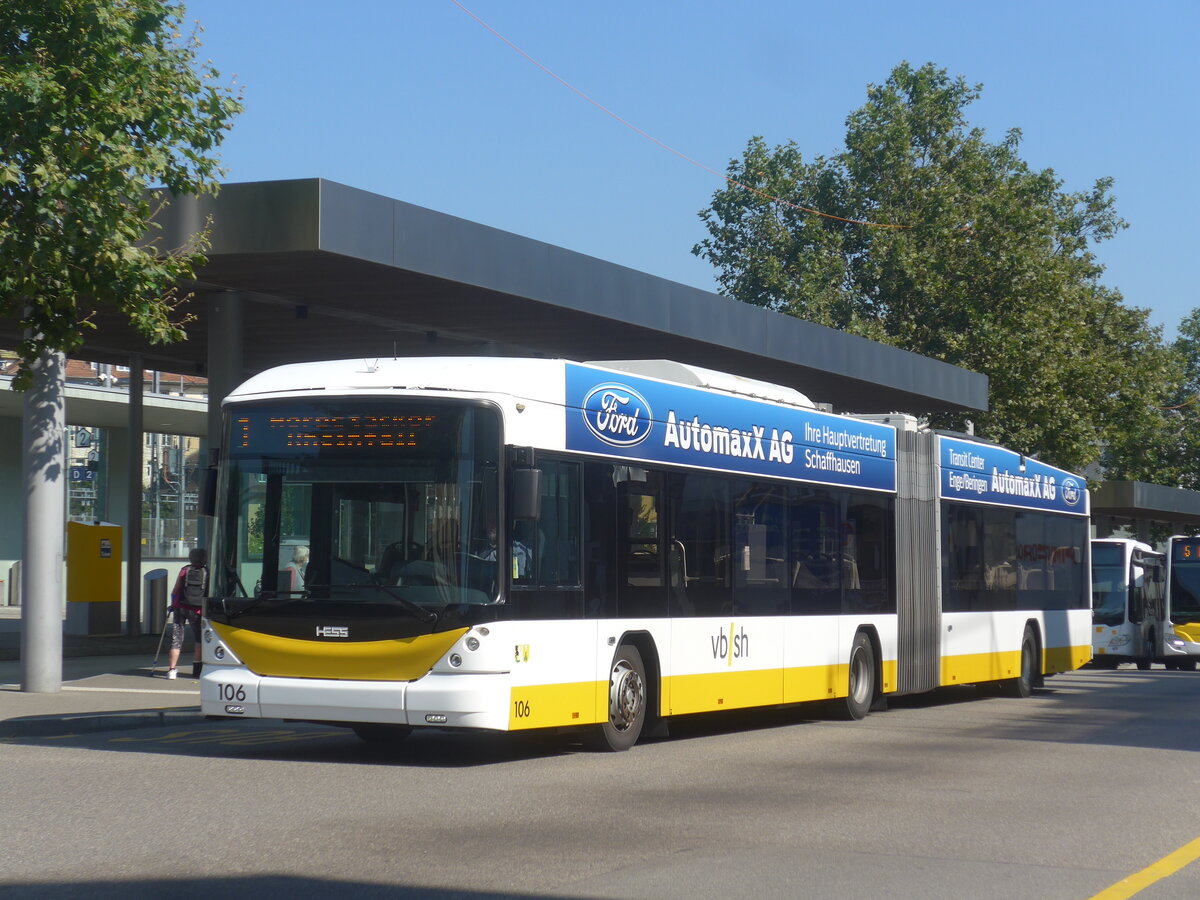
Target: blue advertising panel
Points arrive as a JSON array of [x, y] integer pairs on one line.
[[621, 415], [987, 474]]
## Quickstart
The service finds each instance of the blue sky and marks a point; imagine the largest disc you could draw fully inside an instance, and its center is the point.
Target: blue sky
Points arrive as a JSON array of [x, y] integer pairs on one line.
[[415, 100]]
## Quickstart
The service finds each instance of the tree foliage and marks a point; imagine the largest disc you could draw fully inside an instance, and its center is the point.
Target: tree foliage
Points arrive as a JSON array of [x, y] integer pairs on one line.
[[1186, 411], [953, 247], [1171, 454], [100, 101]]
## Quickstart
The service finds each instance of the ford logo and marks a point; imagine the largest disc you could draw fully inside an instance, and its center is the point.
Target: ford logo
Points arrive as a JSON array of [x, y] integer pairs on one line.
[[617, 415], [1070, 491]]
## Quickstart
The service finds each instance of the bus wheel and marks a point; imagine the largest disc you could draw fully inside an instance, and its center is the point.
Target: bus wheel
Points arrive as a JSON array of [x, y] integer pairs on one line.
[[1022, 685], [626, 702], [861, 688], [1187, 665], [378, 733]]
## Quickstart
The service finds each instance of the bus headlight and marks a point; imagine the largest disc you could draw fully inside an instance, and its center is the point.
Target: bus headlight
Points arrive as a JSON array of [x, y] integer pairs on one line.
[[472, 643], [219, 652], [1176, 643], [455, 660]]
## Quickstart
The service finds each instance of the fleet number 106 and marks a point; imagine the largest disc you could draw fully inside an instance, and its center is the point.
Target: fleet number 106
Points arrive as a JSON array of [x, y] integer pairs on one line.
[[231, 692]]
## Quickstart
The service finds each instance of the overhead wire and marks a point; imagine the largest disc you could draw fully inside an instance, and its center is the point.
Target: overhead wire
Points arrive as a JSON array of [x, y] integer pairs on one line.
[[733, 182], [1183, 405]]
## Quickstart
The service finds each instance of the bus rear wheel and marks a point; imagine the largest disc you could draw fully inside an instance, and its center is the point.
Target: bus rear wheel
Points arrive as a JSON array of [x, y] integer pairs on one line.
[[860, 691], [626, 703], [1022, 685]]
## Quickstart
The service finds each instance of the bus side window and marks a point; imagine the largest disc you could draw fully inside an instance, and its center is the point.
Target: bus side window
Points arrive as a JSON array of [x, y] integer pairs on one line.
[[545, 552]]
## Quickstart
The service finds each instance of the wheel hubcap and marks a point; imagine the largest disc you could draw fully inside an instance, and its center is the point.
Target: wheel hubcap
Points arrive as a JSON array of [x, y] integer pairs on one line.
[[626, 695], [859, 678]]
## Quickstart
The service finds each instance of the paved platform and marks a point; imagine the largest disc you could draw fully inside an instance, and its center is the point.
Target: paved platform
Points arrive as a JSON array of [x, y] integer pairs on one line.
[[109, 683]]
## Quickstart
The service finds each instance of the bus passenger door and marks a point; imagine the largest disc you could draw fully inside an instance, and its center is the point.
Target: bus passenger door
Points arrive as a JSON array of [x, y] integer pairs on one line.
[[642, 551]]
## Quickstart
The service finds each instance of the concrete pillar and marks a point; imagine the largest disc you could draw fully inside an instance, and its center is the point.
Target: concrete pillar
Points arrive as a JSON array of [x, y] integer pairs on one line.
[[44, 459], [133, 513]]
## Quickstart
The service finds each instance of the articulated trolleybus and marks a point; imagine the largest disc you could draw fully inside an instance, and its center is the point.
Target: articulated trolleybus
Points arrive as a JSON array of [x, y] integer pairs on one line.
[[515, 544]]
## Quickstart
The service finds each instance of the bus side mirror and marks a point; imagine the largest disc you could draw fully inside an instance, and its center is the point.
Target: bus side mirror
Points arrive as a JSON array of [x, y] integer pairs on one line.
[[208, 492], [527, 493]]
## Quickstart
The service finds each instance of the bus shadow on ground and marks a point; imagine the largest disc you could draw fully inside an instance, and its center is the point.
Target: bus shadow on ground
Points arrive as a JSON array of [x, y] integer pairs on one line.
[[285, 741], [1119, 707], [251, 887]]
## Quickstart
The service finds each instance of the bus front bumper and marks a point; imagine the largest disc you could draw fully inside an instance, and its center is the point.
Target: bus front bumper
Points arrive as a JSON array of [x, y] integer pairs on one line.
[[437, 700]]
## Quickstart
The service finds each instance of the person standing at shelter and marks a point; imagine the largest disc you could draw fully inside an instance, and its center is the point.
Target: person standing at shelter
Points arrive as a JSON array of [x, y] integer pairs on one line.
[[187, 601]]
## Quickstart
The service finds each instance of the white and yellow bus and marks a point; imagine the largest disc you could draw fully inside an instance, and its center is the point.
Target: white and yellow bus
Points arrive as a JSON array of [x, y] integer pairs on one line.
[[1128, 603], [1181, 632], [514, 544]]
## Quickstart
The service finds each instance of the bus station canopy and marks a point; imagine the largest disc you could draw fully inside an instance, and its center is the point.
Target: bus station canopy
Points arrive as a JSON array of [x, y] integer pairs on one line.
[[324, 271]]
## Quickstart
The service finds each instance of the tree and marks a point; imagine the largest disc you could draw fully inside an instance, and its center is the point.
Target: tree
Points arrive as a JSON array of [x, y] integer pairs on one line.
[[922, 234], [100, 100], [1186, 403]]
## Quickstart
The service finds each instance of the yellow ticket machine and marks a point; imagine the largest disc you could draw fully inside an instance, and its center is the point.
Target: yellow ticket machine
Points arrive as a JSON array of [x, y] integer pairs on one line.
[[94, 555]]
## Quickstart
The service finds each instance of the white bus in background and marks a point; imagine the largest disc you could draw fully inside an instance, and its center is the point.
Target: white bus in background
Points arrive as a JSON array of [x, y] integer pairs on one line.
[[1128, 603], [1181, 645], [514, 544]]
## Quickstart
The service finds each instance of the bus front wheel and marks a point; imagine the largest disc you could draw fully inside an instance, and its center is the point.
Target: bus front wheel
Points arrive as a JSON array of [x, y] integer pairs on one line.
[[626, 702]]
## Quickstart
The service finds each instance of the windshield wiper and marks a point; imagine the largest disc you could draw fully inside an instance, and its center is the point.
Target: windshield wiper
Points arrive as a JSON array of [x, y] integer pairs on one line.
[[419, 612], [262, 598]]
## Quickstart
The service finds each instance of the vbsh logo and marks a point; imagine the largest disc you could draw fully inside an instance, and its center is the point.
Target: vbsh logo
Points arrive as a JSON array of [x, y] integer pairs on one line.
[[617, 415], [731, 646]]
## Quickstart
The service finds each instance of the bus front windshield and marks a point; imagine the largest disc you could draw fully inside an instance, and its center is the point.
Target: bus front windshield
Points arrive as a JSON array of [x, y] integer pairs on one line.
[[1185, 582], [391, 503], [1109, 584]]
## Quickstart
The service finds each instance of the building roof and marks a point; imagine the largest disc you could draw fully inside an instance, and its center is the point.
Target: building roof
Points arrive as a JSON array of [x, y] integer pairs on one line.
[[328, 271], [1138, 499]]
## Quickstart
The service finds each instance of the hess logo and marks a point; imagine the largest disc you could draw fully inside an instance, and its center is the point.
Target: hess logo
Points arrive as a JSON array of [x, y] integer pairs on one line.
[[617, 414], [333, 631]]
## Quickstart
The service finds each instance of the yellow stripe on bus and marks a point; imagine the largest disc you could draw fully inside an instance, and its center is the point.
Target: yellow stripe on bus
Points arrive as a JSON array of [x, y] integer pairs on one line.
[[556, 705], [399, 660], [1189, 631], [969, 668]]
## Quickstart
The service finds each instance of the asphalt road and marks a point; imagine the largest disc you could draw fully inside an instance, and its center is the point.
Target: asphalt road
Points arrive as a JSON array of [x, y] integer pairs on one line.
[[962, 794]]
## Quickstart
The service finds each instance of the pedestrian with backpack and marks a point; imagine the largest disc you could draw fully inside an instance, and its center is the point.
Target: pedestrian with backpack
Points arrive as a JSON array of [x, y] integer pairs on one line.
[[187, 603]]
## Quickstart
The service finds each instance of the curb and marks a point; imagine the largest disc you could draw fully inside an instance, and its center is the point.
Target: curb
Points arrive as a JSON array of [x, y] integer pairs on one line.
[[89, 723]]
